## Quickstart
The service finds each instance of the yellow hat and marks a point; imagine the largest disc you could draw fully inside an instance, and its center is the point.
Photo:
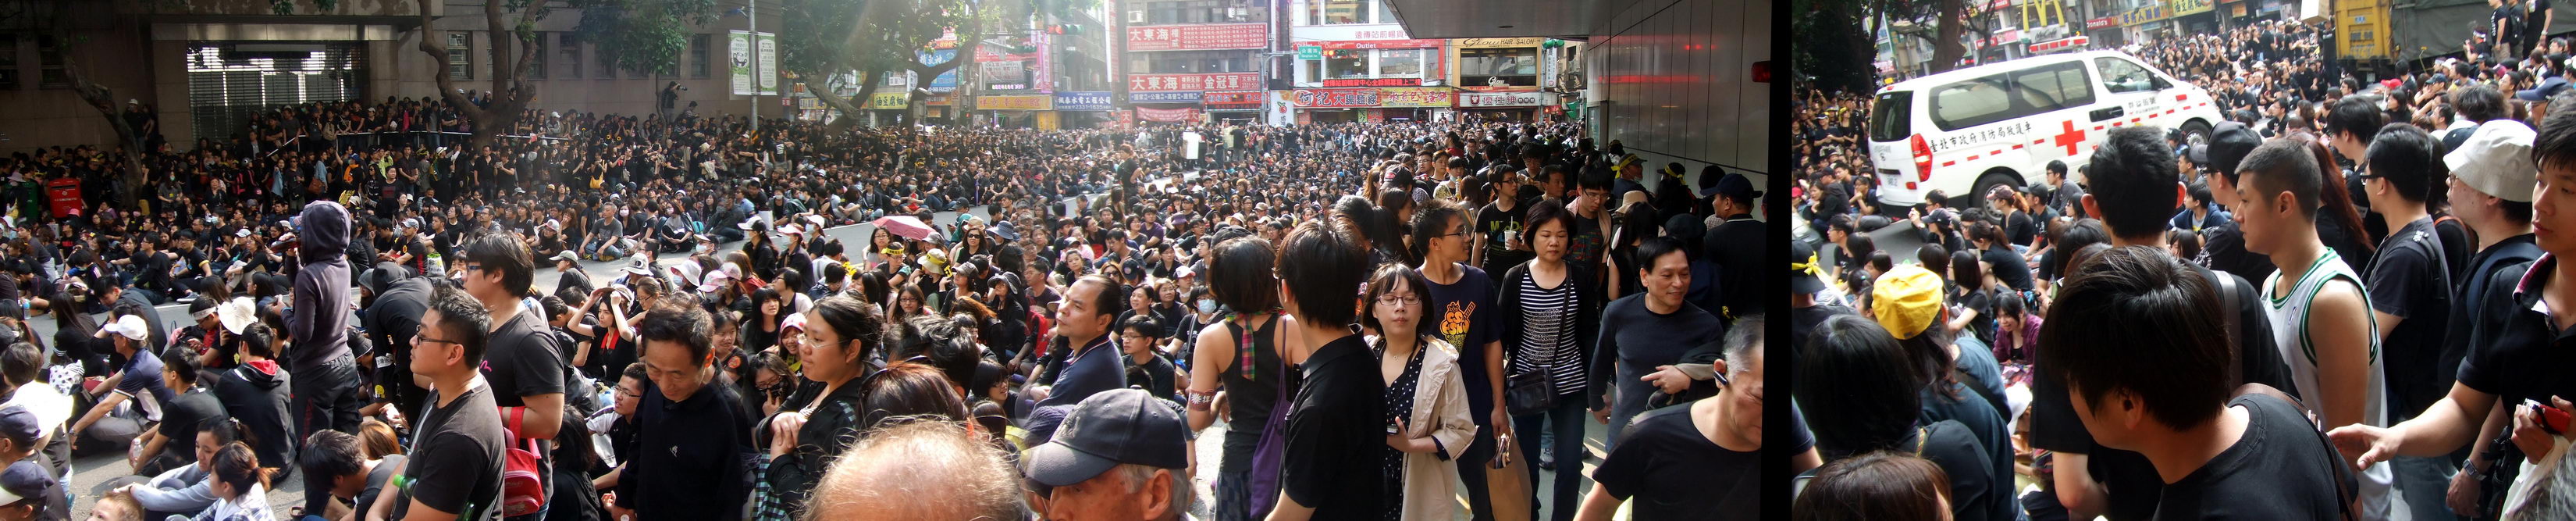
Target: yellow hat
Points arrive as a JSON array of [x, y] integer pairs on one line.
[[1906, 300]]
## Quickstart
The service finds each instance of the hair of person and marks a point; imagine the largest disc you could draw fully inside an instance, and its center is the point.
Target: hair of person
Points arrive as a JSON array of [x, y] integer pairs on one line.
[[2132, 179], [331, 454], [462, 320], [2199, 193], [2281, 165], [2358, 116], [187, 367], [576, 442], [1965, 272], [1882, 261], [2010, 308], [948, 347], [1860, 246], [1933, 257], [2186, 243], [683, 324], [1320, 261], [496, 251], [906, 392], [226, 430], [132, 510], [635, 371], [1433, 220], [237, 466], [2333, 198], [2150, 328], [1594, 177], [1878, 485], [2408, 158], [919, 470], [1554, 212], [378, 438], [1143, 324], [1653, 249], [2555, 146], [1112, 299], [1744, 338], [1880, 391], [2084, 232], [22, 363]]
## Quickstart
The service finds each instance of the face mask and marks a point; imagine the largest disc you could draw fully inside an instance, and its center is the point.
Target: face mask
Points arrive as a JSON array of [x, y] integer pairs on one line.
[[1207, 306]]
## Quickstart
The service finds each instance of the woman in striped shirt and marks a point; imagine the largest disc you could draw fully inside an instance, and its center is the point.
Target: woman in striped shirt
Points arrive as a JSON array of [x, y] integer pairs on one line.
[[1550, 315]]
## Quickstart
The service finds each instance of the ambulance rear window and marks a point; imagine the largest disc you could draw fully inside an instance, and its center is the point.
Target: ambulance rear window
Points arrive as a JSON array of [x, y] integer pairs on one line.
[[1891, 118]]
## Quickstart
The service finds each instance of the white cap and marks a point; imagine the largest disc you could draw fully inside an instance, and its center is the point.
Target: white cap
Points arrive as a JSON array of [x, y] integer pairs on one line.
[[716, 281], [130, 326], [2496, 160]]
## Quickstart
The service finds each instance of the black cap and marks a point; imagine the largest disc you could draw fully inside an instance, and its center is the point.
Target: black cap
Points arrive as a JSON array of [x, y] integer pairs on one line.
[[25, 481], [1803, 269], [19, 425], [2229, 143], [1110, 428]]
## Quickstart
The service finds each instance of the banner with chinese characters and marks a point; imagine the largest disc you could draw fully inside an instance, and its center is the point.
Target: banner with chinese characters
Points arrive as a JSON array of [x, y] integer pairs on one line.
[[1014, 102], [767, 71], [1498, 99], [1082, 100], [1198, 37], [1248, 100], [1416, 97], [1168, 115], [738, 61], [1162, 97], [1193, 82], [1336, 98], [887, 101]]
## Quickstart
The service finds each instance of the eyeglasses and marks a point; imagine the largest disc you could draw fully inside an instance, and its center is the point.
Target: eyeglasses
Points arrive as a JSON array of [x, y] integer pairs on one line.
[[1392, 300], [425, 339]]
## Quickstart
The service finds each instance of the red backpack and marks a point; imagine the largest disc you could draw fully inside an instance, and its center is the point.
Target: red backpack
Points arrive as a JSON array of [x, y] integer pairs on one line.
[[523, 487]]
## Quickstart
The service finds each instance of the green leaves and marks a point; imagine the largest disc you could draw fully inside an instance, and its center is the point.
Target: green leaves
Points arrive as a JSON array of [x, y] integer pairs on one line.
[[648, 35]]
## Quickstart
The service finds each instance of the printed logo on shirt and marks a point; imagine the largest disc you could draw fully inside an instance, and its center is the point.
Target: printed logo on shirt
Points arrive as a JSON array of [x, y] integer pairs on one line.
[[1453, 322]]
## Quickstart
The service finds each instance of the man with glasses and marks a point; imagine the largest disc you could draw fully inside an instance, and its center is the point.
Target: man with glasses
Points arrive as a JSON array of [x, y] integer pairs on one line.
[[1146, 367], [455, 466], [2410, 296]]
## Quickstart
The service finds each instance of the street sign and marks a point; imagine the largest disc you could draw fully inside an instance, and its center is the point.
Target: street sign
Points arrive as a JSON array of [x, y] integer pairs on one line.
[[1310, 52]]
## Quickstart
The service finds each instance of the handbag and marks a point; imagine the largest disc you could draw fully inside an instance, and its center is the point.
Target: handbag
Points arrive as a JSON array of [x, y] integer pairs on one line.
[[1529, 392], [1271, 453]]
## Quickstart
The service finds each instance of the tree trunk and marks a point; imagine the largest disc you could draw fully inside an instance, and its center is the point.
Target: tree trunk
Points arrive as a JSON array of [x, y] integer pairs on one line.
[[129, 150], [972, 32], [851, 108], [1946, 48], [510, 94]]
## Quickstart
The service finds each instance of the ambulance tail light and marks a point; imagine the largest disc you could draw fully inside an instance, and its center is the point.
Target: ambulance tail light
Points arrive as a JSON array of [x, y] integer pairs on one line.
[[1922, 158]]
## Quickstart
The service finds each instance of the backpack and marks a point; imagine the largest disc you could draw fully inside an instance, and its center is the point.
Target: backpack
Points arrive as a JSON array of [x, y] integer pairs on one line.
[[523, 487]]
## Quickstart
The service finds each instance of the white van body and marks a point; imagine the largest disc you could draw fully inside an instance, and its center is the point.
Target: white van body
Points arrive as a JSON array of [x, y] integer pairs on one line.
[[1966, 131]]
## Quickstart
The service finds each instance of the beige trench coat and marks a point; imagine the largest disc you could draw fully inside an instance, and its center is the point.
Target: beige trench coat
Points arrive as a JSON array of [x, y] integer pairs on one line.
[[1440, 412]]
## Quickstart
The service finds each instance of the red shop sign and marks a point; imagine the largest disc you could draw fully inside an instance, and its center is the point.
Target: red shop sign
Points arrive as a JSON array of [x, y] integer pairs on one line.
[[1383, 44], [1221, 98], [1198, 36], [1374, 82], [1193, 82], [1336, 98]]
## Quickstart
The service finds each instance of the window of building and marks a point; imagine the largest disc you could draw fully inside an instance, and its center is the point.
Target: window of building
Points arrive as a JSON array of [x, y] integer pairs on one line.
[[1399, 63], [1340, 64], [8, 62], [571, 48], [607, 60], [698, 56], [460, 55], [536, 56], [1330, 12], [1498, 67], [49, 54]]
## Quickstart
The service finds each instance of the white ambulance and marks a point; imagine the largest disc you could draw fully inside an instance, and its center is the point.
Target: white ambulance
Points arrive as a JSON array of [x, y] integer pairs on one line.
[[1966, 131]]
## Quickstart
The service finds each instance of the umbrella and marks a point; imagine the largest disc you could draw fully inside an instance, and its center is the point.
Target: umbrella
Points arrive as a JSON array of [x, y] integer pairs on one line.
[[904, 226]]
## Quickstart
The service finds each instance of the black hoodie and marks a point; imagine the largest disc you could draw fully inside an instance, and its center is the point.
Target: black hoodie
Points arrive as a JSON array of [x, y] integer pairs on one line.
[[319, 325], [256, 393]]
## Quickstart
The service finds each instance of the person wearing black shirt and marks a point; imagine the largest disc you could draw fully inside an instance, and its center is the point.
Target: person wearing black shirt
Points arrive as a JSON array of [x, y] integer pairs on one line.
[[390, 321], [1738, 246], [2138, 163], [2223, 246], [1692, 461], [525, 365], [1499, 224], [2131, 337], [456, 445], [1146, 368], [693, 437], [1876, 405], [2008, 267], [2410, 296], [1340, 409], [174, 444], [255, 392]]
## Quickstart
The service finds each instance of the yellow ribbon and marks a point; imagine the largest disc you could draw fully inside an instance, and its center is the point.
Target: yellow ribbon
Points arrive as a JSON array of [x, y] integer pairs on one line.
[[1810, 266]]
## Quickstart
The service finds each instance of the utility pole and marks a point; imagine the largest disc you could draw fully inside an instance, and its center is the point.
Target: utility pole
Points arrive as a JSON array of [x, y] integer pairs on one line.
[[751, 11], [1116, 61]]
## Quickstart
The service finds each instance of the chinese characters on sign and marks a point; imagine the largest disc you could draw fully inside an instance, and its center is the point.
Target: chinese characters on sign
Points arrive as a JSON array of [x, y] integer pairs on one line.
[[1082, 100], [1374, 82], [1167, 115], [1498, 99], [1197, 37], [1194, 82], [1013, 102], [1415, 97], [1163, 97], [1247, 100], [1336, 98]]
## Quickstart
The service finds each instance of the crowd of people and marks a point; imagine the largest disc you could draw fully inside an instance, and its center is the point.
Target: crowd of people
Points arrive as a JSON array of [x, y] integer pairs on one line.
[[1071, 309], [2341, 303]]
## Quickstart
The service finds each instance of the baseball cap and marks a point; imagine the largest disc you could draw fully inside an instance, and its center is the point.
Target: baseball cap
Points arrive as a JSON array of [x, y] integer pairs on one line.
[[1107, 429], [715, 281], [2496, 160], [1906, 300], [25, 480], [567, 255], [1738, 187], [2548, 87], [794, 321], [21, 426], [1805, 274], [131, 326], [2229, 143], [2198, 153]]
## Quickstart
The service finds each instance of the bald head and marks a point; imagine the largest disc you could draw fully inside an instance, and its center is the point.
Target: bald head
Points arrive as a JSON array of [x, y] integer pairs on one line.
[[925, 470]]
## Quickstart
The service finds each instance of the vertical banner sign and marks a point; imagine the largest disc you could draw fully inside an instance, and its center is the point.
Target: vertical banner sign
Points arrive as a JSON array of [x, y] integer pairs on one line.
[[741, 61], [768, 73]]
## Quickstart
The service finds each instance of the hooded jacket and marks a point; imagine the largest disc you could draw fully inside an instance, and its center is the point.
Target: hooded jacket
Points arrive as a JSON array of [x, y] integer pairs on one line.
[[255, 392], [319, 323]]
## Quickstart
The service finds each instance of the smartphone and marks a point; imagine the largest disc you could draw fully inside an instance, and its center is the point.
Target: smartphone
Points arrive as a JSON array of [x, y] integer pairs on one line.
[[2552, 419]]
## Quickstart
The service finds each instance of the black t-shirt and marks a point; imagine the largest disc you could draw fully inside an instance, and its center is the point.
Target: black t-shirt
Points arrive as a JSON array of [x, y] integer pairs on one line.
[[2281, 468], [1492, 222], [522, 359], [1975, 489], [2054, 426], [2409, 279], [1155, 375], [2008, 267], [2524, 355], [376, 480], [1993, 435], [180, 419], [2021, 228], [1339, 410], [1668, 470], [456, 457]]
